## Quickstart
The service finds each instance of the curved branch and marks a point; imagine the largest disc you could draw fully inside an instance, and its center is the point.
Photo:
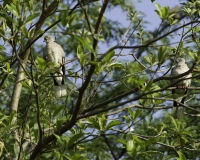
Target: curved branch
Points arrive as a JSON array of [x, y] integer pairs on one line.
[[41, 145], [147, 44]]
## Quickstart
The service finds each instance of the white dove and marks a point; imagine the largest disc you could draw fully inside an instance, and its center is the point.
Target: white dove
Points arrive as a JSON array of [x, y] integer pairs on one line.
[[54, 53], [180, 68]]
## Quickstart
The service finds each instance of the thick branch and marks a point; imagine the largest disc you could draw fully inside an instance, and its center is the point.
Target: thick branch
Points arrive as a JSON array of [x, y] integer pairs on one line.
[[71, 123], [108, 144], [20, 74], [104, 109]]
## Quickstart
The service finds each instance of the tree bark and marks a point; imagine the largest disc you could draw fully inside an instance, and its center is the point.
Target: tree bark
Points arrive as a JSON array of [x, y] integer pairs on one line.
[[20, 73]]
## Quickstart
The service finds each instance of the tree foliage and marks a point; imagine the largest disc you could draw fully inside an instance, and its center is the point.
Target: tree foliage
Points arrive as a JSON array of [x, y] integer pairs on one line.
[[118, 103]]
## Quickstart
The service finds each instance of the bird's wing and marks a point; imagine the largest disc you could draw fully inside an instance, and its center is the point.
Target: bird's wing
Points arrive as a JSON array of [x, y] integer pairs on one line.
[[45, 52], [174, 72], [178, 111], [57, 52], [187, 82], [53, 52]]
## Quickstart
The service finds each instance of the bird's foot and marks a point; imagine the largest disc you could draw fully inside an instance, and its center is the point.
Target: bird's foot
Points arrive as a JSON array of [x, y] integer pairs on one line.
[[181, 86], [61, 64]]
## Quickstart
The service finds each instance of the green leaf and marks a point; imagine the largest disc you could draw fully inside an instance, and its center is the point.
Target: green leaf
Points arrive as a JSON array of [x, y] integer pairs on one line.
[[151, 141], [8, 128], [102, 122], [158, 6], [13, 9], [8, 18], [30, 4], [197, 56], [129, 142], [151, 58], [112, 124], [41, 63], [31, 33], [138, 113], [116, 65], [7, 69], [161, 54], [93, 63], [76, 27], [94, 122], [148, 86], [71, 19], [12, 117], [17, 5], [81, 55], [31, 17], [74, 138], [163, 12], [59, 122], [38, 32], [158, 11], [57, 110], [109, 56], [2, 48], [96, 36], [174, 122], [27, 83], [58, 155], [134, 114], [128, 120], [181, 156], [2, 118], [64, 18], [139, 141], [24, 31], [122, 141], [58, 139], [85, 44]]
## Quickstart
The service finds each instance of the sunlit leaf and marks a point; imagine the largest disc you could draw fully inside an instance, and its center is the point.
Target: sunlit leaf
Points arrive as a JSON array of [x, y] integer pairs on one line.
[[81, 55], [109, 56], [181, 155], [32, 17], [74, 138], [57, 110], [94, 122], [41, 63], [85, 44], [58, 139], [112, 124], [12, 8], [102, 122]]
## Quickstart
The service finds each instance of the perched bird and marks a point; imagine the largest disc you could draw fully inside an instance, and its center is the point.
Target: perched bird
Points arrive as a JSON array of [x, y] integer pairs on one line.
[[54, 53], [180, 68]]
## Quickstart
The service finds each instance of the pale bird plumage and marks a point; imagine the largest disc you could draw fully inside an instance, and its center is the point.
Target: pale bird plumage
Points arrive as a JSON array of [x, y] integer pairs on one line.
[[54, 53], [180, 68]]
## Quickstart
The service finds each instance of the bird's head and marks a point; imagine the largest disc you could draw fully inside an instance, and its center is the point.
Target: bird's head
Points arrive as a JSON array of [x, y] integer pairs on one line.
[[48, 39], [180, 60]]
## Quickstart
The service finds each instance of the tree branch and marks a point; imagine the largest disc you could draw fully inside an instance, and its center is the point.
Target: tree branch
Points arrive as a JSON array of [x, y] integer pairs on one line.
[[71, 123], [108, 144], [148, 43]]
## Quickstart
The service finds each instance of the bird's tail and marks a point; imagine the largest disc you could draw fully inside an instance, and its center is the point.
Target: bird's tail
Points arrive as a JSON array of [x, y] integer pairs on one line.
[[60, 90], [59, 84]]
